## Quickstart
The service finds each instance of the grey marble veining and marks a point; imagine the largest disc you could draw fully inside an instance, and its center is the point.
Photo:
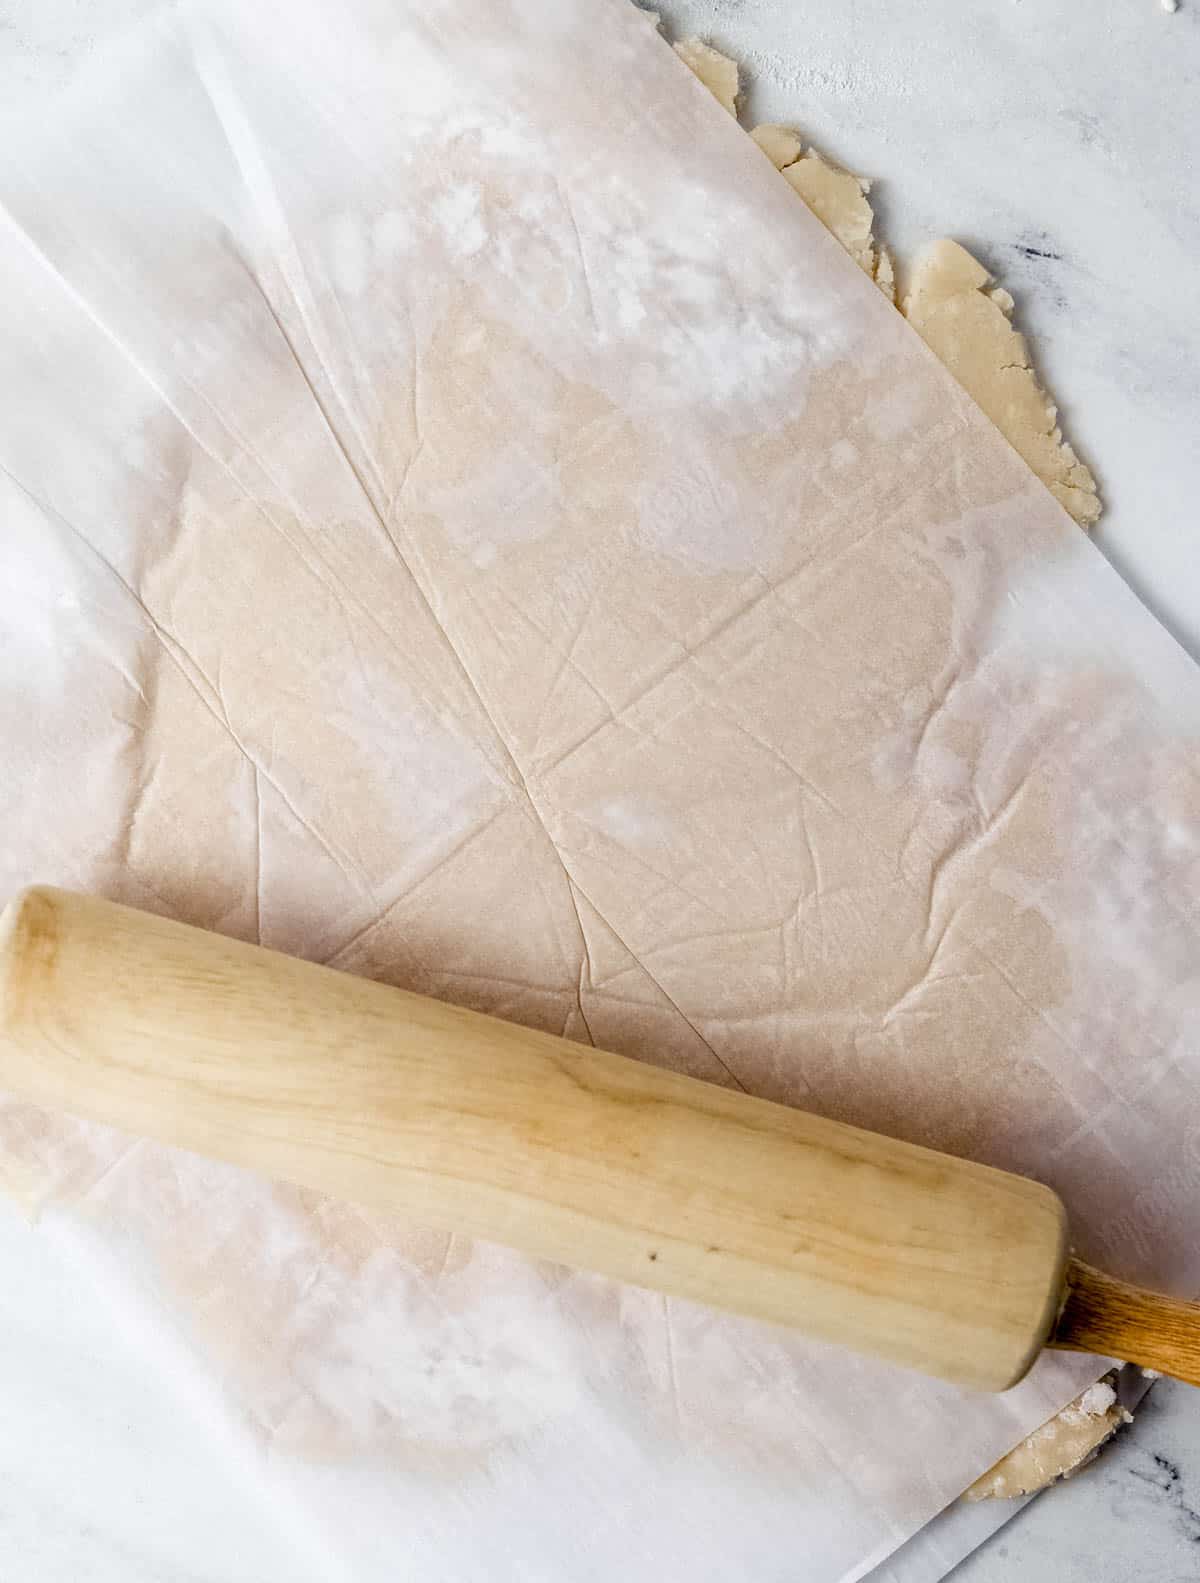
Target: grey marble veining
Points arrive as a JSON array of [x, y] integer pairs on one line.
[[1134, 1514]]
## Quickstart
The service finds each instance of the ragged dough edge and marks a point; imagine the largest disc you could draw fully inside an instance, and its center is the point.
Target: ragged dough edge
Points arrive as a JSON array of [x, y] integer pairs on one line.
[[966, 321], [1058, 1449], [952, 301], [837, 197], [717, 72]]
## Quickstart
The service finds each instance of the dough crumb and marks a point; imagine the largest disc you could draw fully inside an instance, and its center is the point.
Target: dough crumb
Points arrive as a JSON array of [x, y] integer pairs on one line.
[[1058, 1449], [717, 72], [837, 197], [966, 321]]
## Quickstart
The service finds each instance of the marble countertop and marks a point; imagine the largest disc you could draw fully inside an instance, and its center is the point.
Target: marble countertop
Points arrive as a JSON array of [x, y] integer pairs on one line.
[[1058, 140], [1134, 1513]]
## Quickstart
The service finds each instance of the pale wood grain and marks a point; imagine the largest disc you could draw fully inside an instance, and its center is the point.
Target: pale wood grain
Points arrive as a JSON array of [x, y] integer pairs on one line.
[[371, 1094]]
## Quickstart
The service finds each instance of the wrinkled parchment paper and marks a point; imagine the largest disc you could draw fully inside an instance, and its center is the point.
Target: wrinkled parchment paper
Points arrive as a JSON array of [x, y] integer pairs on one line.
[[466, 523]]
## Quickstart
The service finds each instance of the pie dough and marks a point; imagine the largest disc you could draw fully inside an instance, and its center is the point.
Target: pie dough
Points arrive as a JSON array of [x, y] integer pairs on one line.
[[717, 72], [837, 198], [1058, 1448], [966, 321], [951, 302], [341, 685]]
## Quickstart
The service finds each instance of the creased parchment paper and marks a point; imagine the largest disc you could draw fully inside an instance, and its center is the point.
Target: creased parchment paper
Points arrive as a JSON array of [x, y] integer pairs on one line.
[[477, 529], [952, 301], [958, 311]]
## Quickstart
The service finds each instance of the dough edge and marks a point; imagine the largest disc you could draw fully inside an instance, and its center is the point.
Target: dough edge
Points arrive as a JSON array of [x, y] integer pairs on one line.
[[952, 301], [965, 319]]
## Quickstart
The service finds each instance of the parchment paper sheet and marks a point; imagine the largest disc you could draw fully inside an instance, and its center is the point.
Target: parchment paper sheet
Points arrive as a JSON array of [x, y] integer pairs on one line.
[[464, 521]]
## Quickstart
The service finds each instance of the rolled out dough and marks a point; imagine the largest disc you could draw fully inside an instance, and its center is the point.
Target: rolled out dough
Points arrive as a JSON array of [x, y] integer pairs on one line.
[[837, 198], [951, 301], [956, 309], [717, 72], [966, 320], [510, 548]]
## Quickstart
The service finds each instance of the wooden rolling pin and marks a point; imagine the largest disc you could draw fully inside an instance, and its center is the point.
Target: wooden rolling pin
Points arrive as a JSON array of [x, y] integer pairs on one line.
[[371, 1094]]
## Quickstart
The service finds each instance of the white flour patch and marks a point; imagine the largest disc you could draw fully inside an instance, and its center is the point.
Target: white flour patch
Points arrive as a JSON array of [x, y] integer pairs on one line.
[[510, 140], [915, 752], [824, 69], [391, 235], [424, 84], [633, 822], [896, 414], [457, 213], [691, 513], [847, 78], [350, 256], [437, 777], [704, 324], [1040, 616], [514, 499], [762, 351], [43, 581]]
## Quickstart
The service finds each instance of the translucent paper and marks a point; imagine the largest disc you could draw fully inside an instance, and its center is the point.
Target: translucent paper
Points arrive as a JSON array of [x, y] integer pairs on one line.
[[465, 522]]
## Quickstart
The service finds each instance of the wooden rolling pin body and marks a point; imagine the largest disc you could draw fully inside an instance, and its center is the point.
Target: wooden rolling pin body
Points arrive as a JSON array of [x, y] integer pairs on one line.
[[375, 1095]]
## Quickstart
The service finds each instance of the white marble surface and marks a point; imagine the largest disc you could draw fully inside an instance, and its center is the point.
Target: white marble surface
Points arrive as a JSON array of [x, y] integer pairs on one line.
[[1055, 137]]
